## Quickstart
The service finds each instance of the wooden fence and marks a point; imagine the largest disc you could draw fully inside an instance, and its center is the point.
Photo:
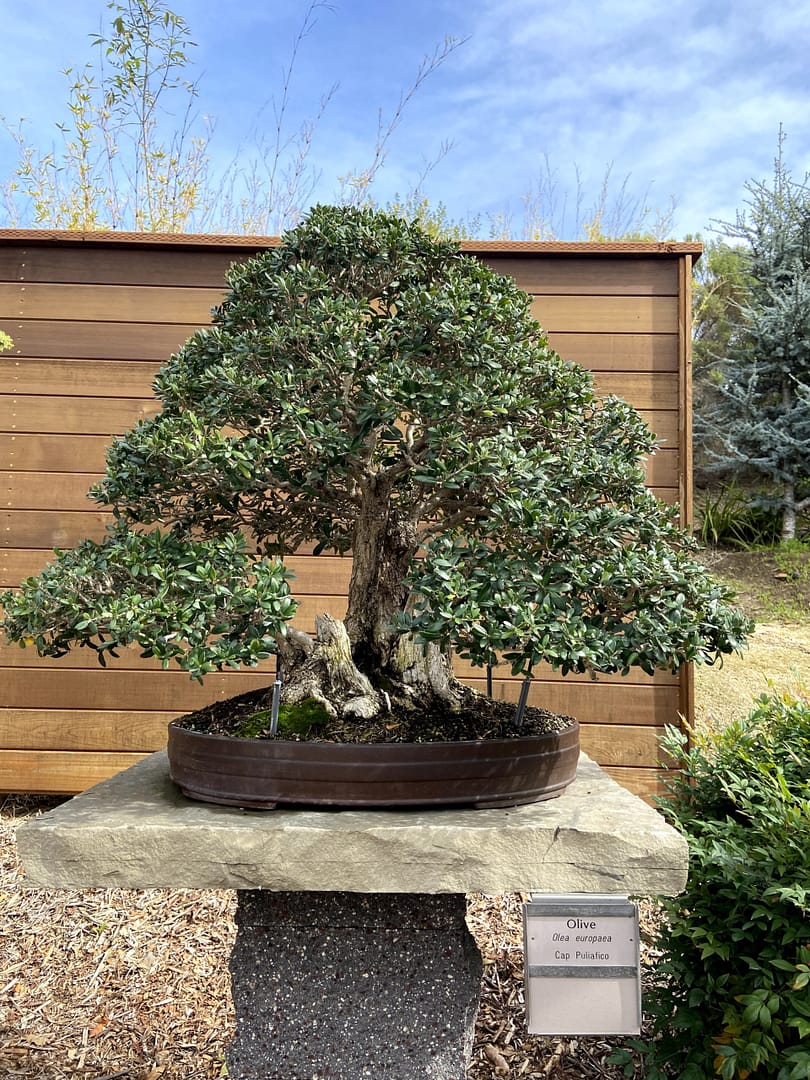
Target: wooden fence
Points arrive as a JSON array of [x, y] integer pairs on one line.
[[92, 317]]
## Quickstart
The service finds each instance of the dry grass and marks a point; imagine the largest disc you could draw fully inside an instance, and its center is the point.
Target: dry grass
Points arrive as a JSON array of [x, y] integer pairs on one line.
[[778, 659]]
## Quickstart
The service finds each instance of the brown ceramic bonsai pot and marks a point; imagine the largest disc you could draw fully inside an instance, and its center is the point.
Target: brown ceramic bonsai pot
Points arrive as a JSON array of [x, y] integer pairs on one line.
[[264, 773]]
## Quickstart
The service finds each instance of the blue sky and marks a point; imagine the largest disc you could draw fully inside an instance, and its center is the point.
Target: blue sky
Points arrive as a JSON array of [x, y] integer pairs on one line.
[[682, 100]]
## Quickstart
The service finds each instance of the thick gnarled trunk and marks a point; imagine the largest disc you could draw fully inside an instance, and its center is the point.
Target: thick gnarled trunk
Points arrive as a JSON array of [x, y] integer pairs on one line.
[[382, 548], [360, 667], [322, 668]]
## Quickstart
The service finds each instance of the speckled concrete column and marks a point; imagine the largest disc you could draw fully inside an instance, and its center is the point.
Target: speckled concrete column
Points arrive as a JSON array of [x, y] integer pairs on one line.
[[339, 986]]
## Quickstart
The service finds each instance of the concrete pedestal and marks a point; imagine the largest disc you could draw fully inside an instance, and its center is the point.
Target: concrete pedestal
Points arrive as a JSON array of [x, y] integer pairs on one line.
[[352, 956], [345, 985]]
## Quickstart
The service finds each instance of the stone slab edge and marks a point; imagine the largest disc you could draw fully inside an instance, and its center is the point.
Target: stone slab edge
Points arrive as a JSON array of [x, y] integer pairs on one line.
[[136, 830]]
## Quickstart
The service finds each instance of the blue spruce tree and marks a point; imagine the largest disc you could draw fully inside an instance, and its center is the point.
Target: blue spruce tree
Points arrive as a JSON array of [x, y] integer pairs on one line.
[[759, 424]]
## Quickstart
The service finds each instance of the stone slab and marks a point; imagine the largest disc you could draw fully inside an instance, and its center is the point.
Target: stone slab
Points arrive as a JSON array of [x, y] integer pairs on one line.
[[344, 986], [136, 830]]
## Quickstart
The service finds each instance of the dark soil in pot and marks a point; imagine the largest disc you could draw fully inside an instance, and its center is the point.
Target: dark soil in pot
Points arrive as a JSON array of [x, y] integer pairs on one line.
[[479, 717]]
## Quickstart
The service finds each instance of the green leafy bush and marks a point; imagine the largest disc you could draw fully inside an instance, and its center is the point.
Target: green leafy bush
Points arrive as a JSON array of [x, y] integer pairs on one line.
[[205, 604], [732, 991]]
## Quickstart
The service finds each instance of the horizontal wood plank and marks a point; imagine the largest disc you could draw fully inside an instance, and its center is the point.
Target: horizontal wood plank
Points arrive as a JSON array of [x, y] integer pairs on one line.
[[83, 659], [646, 783], [109, 303], [31, 414], [49, 529], [589, 275], [96, 340], [55, 471], [110, 689], [54, 453], [45, 529], [130, 659], [23, 490], [643, 390], [664, 425], [145, 732], [83, 729], [597, 351], [595, 703], [83, 265], [155, 304], [78, 378], [111, 379], [58, 772], [661, 468], [618, 352], [321, 575], [173, 691], [545, 673], [607, 314], [622, 744]]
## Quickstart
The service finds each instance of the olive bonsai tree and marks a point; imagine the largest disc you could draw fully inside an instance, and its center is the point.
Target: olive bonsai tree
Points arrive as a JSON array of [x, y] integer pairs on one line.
[[366, 388]]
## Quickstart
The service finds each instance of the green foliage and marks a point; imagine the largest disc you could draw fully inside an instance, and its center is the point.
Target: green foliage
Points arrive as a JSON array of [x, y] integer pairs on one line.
[[5, 342], [732, 517], [365, 386], [547, 580], [434, 220], [205, 605], [720, 290], [732, 990]]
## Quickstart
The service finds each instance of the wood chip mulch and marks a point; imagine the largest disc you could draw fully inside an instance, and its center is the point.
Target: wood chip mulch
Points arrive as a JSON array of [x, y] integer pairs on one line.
[[121, 984]]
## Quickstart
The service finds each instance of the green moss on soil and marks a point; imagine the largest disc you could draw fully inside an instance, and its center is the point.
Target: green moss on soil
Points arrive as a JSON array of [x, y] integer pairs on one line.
[[300, 721]]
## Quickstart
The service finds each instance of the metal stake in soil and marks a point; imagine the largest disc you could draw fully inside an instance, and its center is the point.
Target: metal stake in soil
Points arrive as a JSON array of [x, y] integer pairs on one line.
[[524, 697], [276, 699]]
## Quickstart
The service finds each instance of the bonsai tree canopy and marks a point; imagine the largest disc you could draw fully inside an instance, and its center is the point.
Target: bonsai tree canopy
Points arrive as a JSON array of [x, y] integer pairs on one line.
[[366, 388]]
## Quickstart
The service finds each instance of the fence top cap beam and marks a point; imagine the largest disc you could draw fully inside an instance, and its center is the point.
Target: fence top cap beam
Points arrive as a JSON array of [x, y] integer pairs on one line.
[[646, 249]]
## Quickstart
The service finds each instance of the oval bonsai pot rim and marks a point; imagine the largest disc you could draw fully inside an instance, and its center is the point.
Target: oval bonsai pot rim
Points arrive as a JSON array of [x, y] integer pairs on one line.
[[263, 773]]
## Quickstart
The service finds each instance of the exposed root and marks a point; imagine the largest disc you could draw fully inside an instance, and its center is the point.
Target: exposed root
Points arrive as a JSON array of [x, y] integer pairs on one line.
[[427, 670], [327, 673]]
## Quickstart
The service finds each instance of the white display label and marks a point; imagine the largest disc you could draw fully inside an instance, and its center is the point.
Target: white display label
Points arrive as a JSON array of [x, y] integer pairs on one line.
[[582, 941], [582, 965]]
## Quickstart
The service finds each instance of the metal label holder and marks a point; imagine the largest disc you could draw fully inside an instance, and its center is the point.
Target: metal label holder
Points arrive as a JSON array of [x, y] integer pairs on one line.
[[583, 965]]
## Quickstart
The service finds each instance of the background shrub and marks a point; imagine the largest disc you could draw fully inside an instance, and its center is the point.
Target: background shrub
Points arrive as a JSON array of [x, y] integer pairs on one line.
[[732, 990], [733, 517]]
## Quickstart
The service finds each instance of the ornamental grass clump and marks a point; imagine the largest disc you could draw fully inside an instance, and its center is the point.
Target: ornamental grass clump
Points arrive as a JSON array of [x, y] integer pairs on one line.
[[365, 388], [731, 996]]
